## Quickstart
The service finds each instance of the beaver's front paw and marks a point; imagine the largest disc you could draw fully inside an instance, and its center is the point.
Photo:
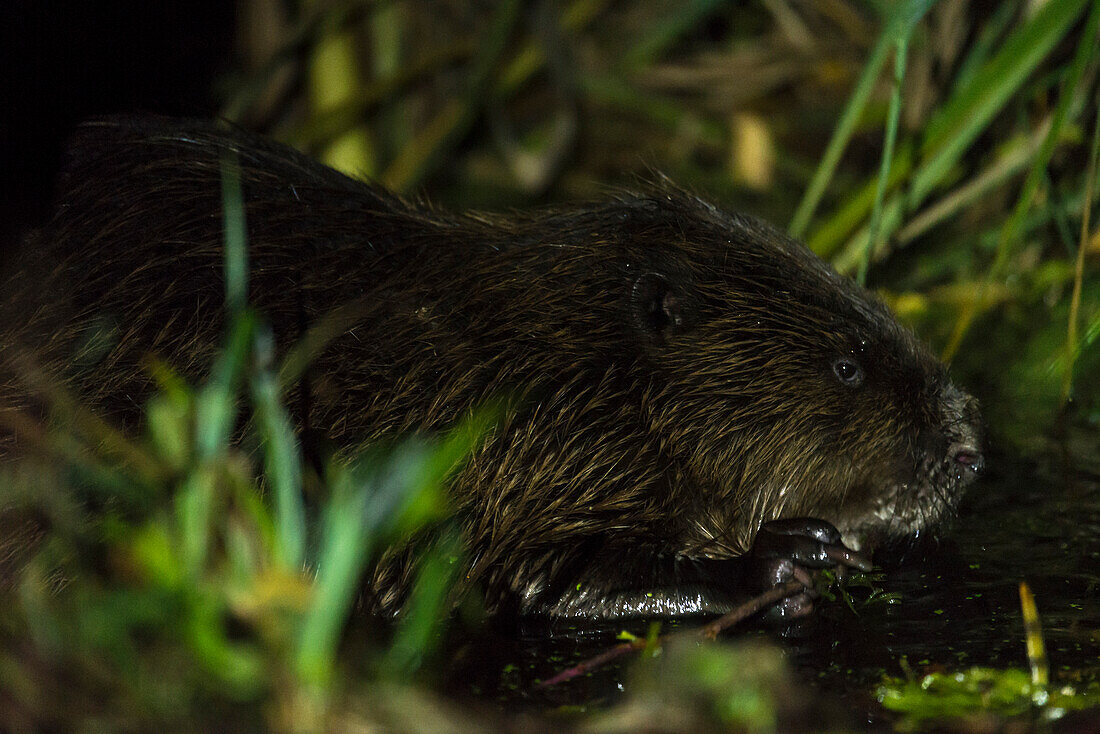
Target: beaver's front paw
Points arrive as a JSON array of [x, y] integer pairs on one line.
[[786, 550]]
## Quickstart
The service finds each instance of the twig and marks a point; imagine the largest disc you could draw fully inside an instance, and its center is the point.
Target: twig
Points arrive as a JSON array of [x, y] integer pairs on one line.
[[595, 662], [751, 607], [709, 631]]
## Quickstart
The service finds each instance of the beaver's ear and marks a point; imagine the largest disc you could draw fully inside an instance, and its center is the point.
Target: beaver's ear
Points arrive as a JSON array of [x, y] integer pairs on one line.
[[656, 306]]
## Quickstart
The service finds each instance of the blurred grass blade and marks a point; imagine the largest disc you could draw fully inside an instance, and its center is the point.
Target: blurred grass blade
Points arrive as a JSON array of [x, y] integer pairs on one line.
[[1092, 332], [989, 32], [38, 604], [102, 438], [1011, 230], [334, 79], [345, 546], [216, 403], [325, 126], [168, 415], [668, 30], [320, 334], [421, 471], [236, 251], [282, 457], [306, 33], [662, 109], [841, 135], [903, 23], [239, 667], [427, 611], [107, 480], [969, 111], [850, 258], [376, 498], [194, 507], [954, 128], [900, 52], [1072, 346], [425, 151], [252, 516], [532, 56], [1013, 157], [897, 28], [828, 238]]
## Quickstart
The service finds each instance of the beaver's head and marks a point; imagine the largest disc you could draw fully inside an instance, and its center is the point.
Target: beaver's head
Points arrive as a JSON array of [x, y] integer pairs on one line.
[[782, 389]]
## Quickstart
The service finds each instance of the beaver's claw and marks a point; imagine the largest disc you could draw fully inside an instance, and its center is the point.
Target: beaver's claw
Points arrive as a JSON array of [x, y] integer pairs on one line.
[[786, 550]]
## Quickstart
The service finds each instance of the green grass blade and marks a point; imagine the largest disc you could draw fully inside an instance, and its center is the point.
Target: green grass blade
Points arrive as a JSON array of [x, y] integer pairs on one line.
[[216, 403], [841, 135], [240, 667], [425, 469], [373, 499], [892, 116], [365, 503], [282, 457], [532, 56], [1073, 348], [236, 250], [425, 151], [168, 425], [1010, 232], [345, 546], [970, 110], [849, 259], [1012, 158], [1086, 50], [666, 111], [194, 508], [668, 30], [1092, 332], [951, 131], [418, 629], [320, 334], [989, 31], [830, 236]]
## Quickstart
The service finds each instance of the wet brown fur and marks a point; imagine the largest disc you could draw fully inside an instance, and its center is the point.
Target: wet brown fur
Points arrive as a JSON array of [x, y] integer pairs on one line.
[[672, 364]]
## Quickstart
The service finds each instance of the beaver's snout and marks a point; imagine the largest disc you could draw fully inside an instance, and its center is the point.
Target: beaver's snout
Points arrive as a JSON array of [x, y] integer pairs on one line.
[[962, 429], [968, 460]]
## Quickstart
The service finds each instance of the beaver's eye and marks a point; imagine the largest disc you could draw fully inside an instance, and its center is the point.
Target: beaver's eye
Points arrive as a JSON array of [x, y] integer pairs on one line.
[[848, 372]]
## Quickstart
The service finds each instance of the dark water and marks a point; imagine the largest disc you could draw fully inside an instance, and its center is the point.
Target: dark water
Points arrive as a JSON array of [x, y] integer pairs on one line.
[[1037, 522]]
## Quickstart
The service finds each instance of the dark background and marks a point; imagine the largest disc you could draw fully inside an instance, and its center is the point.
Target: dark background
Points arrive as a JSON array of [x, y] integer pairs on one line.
[[66, 61]]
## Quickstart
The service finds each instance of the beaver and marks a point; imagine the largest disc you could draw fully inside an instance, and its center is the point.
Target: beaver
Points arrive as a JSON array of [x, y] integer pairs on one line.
[[690, 388]]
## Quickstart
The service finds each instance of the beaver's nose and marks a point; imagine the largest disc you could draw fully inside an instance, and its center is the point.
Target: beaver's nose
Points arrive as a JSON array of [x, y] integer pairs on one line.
[[968, 459]]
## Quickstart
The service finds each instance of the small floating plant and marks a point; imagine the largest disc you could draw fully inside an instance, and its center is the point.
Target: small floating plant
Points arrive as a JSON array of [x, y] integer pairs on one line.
[[1008, 693]]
